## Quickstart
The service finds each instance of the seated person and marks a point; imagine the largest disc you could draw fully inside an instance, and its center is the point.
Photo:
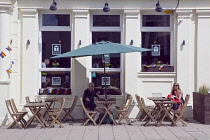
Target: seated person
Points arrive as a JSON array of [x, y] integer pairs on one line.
[[88, 98], [177, 94], [46, 77]]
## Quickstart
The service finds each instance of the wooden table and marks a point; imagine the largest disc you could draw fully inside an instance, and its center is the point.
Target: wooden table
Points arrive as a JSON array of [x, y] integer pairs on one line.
[[107, 105], [35, 108], [164, 108], [49, 104], [158, 98]]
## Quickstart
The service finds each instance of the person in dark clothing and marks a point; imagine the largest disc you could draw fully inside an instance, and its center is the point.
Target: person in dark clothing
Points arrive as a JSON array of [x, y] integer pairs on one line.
[[88, 98]]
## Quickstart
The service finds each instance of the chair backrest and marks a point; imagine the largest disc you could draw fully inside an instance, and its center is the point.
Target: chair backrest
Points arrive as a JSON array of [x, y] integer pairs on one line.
[[129, 102], [13, 105], [62, 102], [74, 102], [138, 99], [187, 97], [83, 107], [9, 107], [27, 99]]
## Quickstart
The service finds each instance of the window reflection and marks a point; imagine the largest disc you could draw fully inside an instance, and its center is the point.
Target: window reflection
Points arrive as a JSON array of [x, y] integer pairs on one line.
[[106, 20], [162, 39], [55, 79], [55, 43], [156, 20], [55, 20], [112, 83], [114, 58]]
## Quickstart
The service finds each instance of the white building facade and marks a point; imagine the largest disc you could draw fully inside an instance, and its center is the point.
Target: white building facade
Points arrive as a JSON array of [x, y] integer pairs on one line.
[[178, 36]]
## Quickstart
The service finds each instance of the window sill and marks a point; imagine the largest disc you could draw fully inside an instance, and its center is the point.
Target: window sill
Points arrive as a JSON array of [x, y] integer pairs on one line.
[[5, 82], [156, 74]]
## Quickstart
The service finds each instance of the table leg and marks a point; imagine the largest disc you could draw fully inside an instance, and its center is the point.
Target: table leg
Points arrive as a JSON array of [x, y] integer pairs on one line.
[[104, 115], [110, 115]]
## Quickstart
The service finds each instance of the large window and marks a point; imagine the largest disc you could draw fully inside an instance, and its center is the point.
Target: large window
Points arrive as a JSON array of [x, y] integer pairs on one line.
[[156, 35], [161, 40], [106, 28], [55, 73]]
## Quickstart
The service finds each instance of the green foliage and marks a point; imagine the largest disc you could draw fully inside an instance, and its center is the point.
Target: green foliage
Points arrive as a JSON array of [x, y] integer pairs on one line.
[[203, 89]]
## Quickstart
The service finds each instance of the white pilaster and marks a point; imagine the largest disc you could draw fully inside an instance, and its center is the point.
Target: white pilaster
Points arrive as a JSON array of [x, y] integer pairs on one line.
[[80, 69], [29, 53], [5, 34], [132, 60], [203, 48], [185, 52]]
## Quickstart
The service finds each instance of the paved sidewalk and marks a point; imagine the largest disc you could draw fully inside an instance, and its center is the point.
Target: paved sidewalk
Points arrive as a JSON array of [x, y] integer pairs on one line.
[[75, 131]]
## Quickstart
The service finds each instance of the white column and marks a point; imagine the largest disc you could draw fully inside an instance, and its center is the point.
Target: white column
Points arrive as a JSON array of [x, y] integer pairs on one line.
[[132, 60], [203, 49], [29, 53], [4, 62], [4, 42], [184, 54], [80, 66]]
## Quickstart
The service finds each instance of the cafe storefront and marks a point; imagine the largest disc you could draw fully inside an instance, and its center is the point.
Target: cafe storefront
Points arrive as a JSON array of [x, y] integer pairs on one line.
[[34, 33]]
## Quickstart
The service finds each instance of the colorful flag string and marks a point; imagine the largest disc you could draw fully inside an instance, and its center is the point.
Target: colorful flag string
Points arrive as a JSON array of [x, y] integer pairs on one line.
[[3, 54], [9, 70], [9, 48]]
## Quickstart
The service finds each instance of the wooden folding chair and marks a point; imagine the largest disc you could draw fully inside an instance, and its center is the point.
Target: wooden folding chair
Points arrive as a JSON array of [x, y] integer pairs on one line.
[[55, 113], [178, 114], [90, 114], [141, 116], [69, 110], [16, 116], [149, 113], [27, 99], [125, 104], [123, 111], [16, 111]]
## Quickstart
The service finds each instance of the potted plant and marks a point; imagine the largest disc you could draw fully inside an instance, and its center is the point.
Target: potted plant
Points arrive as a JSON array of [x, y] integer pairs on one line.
[[107, 65], [201, 105]]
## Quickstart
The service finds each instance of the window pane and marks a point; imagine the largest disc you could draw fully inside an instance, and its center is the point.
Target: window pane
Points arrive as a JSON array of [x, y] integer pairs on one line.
[[106, 20], [55, 20], [55, 79], [114, 58], [156, 20], [55, 43], [161, 39], [113, 82]]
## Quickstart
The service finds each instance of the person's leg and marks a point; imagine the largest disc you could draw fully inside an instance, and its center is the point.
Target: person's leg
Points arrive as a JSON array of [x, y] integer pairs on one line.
[[175, 107], [99, 110], [94, 107]]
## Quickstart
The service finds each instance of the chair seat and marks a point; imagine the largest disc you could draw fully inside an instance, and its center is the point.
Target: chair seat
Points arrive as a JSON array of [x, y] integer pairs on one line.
[[91, 112], [55, 112], [19, 113], [176, 111], [66, 108]]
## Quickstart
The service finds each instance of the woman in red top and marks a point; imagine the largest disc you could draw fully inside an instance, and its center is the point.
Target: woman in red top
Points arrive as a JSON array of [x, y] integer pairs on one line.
[[177, 94]]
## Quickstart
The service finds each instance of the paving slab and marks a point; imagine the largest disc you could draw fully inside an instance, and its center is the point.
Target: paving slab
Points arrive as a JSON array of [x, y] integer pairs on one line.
[[136, 131]]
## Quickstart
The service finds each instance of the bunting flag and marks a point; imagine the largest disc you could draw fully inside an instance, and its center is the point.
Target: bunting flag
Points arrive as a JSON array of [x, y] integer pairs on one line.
[[50, 90], [9, 70], [41, 91], [66, 90], [58, 90], [3, 54], [12, 62], [9, 48]]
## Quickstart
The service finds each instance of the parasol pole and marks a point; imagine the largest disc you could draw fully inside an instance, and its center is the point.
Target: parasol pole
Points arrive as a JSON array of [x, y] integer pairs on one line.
[[104, 78]]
